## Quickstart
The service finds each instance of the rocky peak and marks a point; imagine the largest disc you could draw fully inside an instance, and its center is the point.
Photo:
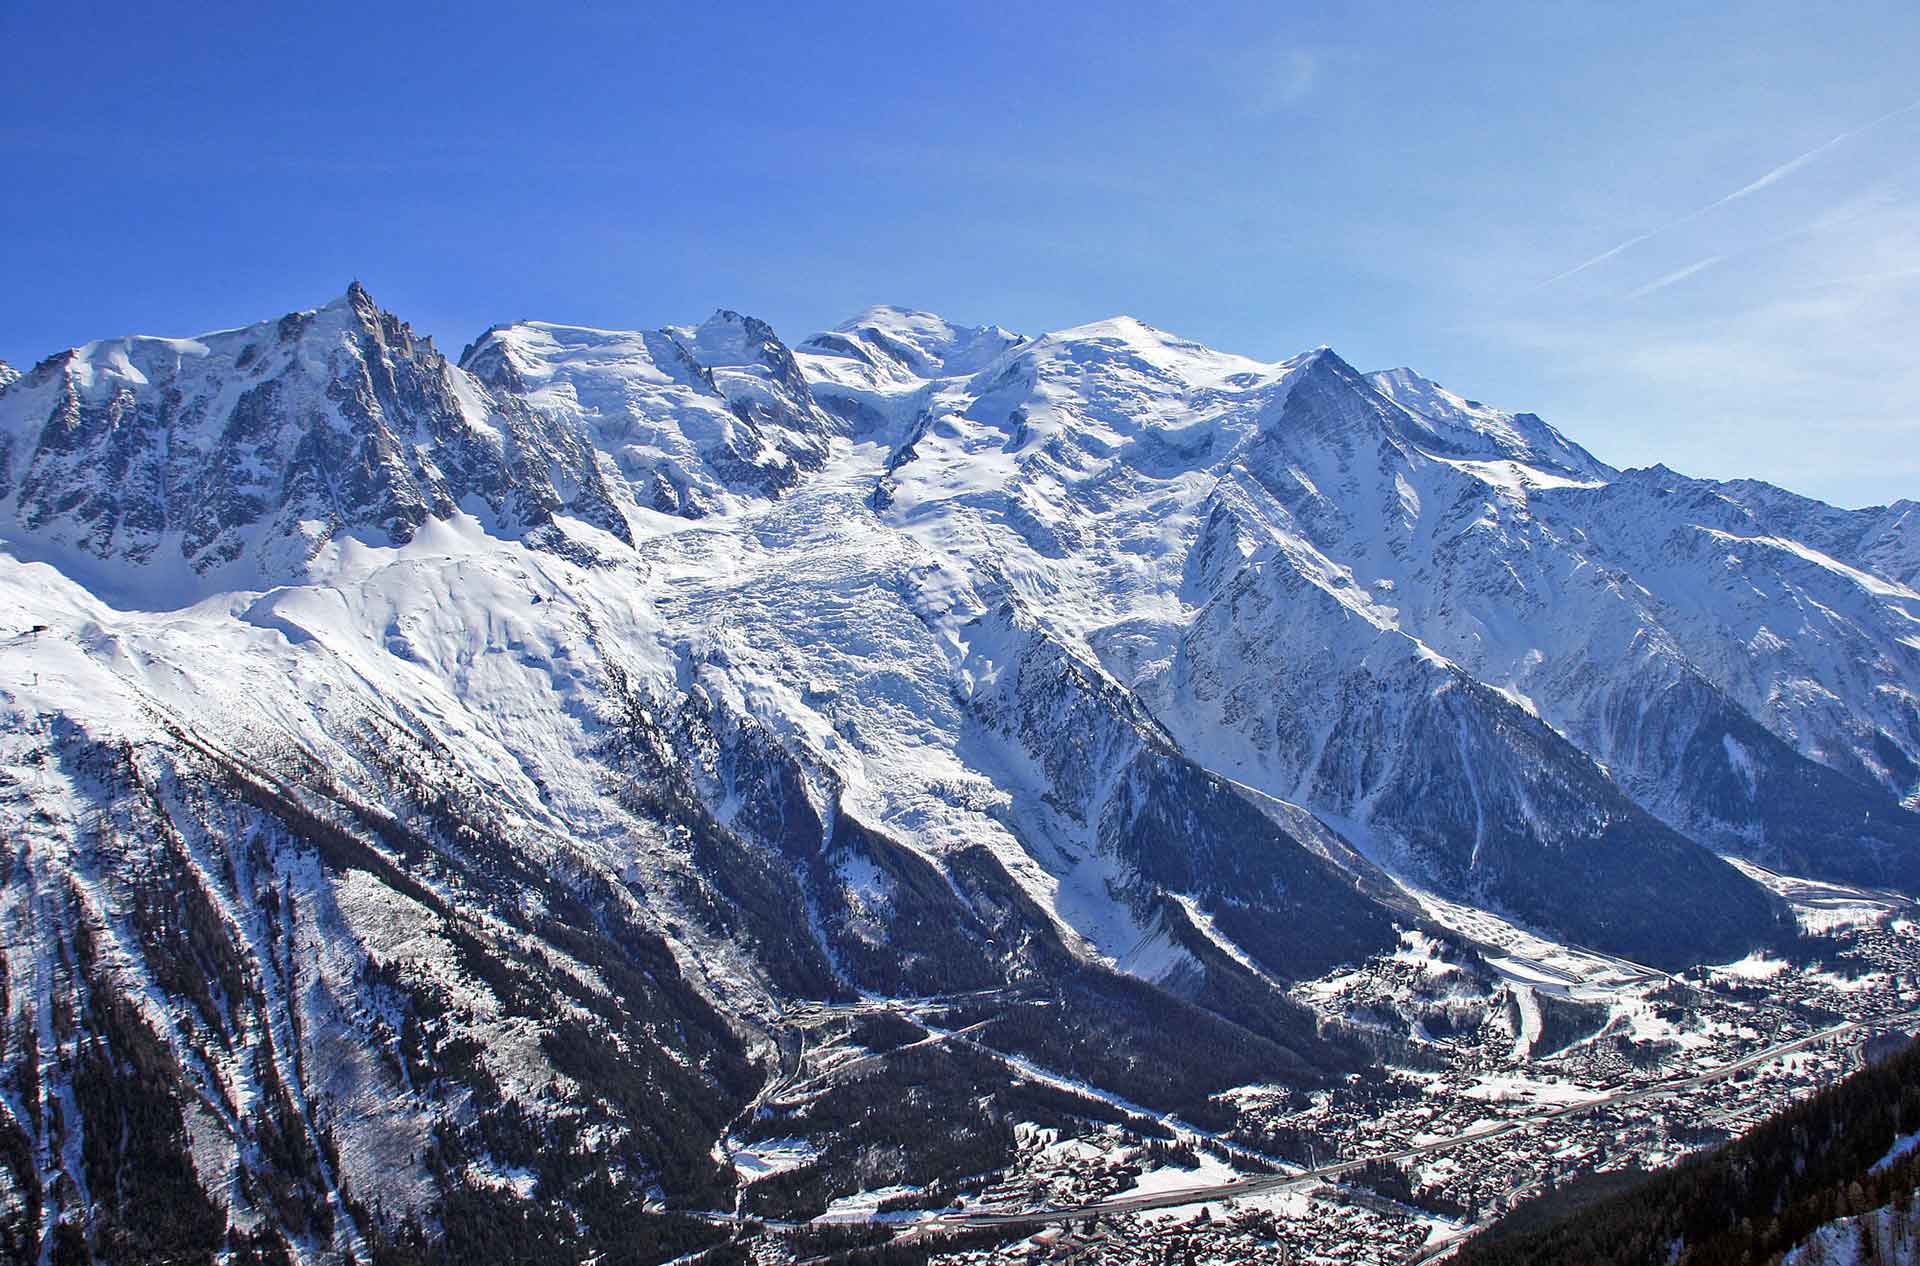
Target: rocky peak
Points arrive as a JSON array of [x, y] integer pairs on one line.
[[258, 443], [763, 384], [1326, 403], [486, 358]]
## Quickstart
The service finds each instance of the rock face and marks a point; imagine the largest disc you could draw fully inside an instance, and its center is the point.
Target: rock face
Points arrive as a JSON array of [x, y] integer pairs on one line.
[[426, 787]]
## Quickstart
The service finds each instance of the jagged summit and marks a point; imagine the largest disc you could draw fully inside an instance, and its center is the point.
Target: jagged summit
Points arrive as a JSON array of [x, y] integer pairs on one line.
[[236, 456], [1324, 360]]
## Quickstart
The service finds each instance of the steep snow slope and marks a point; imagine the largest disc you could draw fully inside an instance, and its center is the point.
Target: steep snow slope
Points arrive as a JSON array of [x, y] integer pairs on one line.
[[1883, 540], [1120, 478], [1472, 429], [1770, 617], [1121, 483], [1623, 615], [323, 940]]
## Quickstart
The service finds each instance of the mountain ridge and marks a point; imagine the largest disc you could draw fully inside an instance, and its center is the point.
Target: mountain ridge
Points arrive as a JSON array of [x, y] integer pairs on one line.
[[683, 673], [525, 442]]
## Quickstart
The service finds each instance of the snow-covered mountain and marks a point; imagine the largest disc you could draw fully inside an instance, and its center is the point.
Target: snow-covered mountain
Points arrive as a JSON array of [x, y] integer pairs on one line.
[[431, 784]]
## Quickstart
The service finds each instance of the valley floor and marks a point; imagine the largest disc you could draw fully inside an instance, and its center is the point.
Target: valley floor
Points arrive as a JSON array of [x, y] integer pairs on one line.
[[1623, 1067]]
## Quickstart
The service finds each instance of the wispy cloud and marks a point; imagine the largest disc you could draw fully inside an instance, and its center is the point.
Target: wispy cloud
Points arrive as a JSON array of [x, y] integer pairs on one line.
[[1866, 279], [1281, 78], [1677, 275], [1752, 187], [1807, 328]]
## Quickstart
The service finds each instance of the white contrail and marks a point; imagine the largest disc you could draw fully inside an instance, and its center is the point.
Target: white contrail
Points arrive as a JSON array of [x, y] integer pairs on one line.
[[1778, 173], [1678, 274]]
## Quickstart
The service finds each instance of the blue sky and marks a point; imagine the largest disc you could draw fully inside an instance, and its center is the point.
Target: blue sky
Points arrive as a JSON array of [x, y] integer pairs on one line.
[[1414, 184]]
